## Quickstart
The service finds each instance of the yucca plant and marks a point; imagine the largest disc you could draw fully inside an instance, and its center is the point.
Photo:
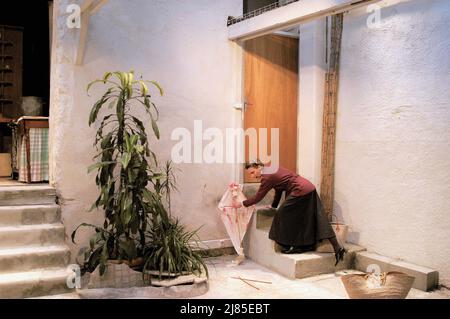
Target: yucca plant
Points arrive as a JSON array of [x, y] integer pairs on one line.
[[123, 171], [135, 194]]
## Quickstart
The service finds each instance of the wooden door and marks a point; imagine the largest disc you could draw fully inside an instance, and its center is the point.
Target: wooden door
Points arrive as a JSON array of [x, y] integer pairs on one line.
[[11, 39], [271, 93]]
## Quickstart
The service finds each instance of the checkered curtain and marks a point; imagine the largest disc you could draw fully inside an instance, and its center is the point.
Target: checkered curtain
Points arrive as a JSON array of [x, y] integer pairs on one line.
[[38, 156]]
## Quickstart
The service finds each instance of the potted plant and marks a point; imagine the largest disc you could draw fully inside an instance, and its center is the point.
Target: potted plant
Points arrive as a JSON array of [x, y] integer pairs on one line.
[[171, 250], [138, 229], [122, 170]]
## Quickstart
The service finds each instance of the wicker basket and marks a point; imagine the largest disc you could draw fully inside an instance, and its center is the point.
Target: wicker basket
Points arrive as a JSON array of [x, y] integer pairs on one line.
[[394, 285]]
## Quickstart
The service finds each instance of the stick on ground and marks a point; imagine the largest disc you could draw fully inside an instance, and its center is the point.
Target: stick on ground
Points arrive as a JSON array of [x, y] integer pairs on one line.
[[264, 282], [248, 283]]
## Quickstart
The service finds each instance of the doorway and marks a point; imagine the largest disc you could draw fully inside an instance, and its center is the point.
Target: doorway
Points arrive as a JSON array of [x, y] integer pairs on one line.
[[271, 93], [24, 79]]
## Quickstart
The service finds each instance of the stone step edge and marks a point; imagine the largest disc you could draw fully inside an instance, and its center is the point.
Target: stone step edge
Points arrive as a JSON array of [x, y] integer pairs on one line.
[[30, 250], [33, 275], [297, 263], [13, 260], [27, 188], [426, 279], [29, 215], [9, 208], [19, 228], [38, 282], [352, 248]]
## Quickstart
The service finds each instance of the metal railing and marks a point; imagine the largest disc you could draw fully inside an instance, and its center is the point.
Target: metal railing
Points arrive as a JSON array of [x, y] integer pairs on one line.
[[257, 12]]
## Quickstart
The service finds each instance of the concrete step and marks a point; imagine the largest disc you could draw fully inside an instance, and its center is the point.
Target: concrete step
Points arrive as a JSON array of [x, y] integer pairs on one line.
[[31, 235], [29, 215], [50, 281], [27, 195], [426, 279], [29, 258], [261, 249], [258, 247]]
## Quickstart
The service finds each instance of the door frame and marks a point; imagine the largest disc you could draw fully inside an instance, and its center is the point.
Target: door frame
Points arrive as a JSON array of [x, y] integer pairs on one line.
[[239, 94]]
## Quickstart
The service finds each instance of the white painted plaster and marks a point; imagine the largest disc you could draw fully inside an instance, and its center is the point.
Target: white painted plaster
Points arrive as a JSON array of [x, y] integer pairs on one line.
[[311, 81], [392, 167], [393, 138], [181, 44]]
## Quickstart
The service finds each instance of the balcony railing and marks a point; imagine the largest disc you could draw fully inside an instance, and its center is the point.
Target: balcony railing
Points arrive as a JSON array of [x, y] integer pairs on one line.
[[257, 12]]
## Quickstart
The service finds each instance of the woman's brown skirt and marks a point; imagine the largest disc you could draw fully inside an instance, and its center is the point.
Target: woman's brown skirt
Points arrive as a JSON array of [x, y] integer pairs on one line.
[[301, 221]]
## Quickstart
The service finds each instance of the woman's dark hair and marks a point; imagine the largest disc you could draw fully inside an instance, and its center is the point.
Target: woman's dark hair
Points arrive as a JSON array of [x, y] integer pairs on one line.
[[254, 164]]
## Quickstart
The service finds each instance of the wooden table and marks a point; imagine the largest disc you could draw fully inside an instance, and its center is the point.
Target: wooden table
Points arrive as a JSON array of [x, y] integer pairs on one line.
[[25, 123]]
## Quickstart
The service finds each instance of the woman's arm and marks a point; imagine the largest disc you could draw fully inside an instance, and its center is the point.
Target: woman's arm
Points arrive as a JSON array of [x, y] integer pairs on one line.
[[277, 198], [264, 188]]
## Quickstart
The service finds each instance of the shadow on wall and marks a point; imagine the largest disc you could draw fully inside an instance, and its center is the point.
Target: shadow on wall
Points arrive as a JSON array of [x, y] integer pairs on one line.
[[353, 235]]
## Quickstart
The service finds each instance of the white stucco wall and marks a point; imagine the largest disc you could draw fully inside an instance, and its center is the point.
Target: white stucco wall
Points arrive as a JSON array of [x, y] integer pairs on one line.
[[181, 44], [392, 161], [393, 138], [313, 67]]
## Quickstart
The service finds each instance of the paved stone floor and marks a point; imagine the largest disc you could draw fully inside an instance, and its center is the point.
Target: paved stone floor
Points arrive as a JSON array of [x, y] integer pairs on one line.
[[5, 181], [222, 285]]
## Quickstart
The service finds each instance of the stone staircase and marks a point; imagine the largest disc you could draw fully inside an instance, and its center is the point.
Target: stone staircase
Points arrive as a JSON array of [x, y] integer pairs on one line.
[[258, 247], [33, 254]]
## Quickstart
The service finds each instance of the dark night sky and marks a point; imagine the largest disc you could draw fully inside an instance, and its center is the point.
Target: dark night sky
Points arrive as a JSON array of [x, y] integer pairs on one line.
[[33, 17]]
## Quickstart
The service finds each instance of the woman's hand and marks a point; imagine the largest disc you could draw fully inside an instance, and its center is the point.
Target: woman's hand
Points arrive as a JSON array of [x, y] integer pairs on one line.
[[237, 205]]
